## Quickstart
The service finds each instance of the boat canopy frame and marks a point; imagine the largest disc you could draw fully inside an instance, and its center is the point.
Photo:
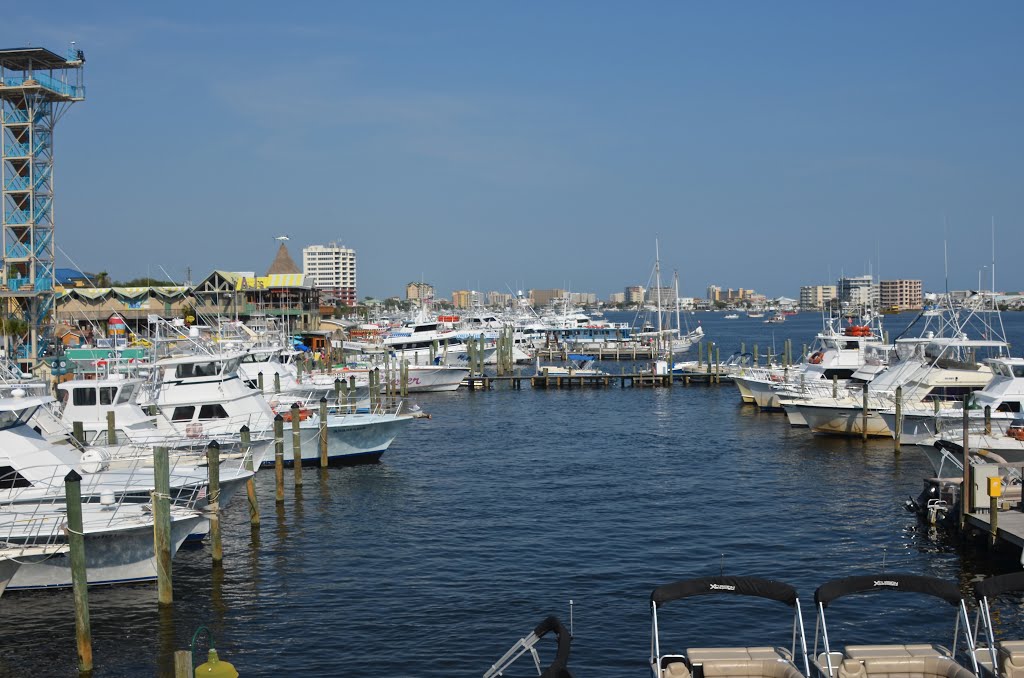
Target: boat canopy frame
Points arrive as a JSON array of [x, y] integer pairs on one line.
[[757, 587], [984, 590]]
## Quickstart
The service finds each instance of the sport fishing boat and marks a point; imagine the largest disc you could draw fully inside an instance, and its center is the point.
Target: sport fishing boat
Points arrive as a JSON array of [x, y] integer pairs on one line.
[[1003, 396], [915, 660], [118, 541], [723, 662]]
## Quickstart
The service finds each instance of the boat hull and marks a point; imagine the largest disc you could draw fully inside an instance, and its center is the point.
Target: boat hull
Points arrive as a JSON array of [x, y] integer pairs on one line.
[[842, 421], [351, 439], [111, 557]]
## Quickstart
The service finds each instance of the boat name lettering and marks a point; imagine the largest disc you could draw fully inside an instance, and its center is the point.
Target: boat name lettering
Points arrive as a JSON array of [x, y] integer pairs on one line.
[[722, 587], [886, 582]]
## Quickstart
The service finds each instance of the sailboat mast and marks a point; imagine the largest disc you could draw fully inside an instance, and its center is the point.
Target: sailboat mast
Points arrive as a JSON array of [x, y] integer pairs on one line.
[[657, 289]]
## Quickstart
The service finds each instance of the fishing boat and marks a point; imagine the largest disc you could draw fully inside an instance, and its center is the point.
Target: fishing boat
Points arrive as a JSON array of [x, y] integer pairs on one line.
[[118, 541], [731, 316], [722, 662], [915, 660], [580, 365], [1003, 396]]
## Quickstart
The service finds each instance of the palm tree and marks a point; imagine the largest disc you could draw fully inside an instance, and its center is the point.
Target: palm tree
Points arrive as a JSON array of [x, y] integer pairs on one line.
[[103, 279]]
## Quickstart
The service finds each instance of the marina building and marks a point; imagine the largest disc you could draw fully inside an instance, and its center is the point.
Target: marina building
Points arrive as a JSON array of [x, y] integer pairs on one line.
[[419, 291], [905, 295], [333, 270], [816, 297]]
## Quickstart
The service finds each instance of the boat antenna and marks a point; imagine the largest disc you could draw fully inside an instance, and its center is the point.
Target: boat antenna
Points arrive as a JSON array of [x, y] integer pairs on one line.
[[721, 566], [945, 251], [570, 617], [884, 553]]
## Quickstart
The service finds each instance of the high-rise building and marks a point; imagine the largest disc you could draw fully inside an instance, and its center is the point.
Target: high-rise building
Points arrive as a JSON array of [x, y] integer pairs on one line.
[[617, 298], [857, 290], [904, 295], [465, 298], [714, 293], [333, 269], [541, 298], [499, 299], [417, 291], [666, 296], [816, 296], [634, 294]]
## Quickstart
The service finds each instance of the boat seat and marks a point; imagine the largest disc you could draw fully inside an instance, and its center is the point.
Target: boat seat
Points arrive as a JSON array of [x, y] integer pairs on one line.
[[903, 667], [1011, 658], [700, 655], [675, 670], [750, 668], [894, 650]]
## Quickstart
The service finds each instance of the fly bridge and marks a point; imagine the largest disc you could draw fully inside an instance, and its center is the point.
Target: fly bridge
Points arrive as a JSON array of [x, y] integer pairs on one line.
[[37, 87]]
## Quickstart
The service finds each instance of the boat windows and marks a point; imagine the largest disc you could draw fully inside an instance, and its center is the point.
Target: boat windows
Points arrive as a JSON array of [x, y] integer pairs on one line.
[[84, 396], [11, 479], [107, 395], [838, 374], [183, 413], [125, 395], [213, 412], [1008, 406], [1018, 370], [189, 370]]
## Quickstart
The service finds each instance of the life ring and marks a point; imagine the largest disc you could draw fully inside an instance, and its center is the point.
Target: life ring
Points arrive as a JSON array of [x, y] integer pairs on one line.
[[816, 358], [193, 429]]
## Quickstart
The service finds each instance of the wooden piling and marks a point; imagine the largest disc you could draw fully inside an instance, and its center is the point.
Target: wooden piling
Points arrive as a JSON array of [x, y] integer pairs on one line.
[[277, 382], [162, 524], [988, 419], [323, 433], [78, 432], [898, 433], [755, 355], [864, 414], [183, 664], [835, 387], [965, 489], [296, 444], [938, 420], [213, 499], [993, 514], [718, 365], [79, 581], [279, 458], [405, 378], [259, 381], [245, 438], [111, 429]]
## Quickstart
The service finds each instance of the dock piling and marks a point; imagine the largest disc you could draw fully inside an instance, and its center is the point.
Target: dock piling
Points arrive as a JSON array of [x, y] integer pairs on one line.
[[323, 433], [898, 433], [79, 581], [297, 443], [78, 431], [864, 414], [279, 459], [250, 485], [162, 524], [213, 500]]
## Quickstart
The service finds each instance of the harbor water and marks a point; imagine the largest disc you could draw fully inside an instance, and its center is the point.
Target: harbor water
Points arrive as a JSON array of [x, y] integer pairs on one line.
[[505, 506]]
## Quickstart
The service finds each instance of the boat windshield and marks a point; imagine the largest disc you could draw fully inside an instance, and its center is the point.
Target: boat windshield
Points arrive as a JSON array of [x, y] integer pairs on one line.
[[12, 418]]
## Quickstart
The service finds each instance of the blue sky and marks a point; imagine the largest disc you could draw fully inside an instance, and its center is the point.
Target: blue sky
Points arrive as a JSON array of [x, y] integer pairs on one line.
[[495, 146]]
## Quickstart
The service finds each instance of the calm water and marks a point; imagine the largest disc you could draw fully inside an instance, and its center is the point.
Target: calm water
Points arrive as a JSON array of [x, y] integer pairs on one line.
[[506, 505]]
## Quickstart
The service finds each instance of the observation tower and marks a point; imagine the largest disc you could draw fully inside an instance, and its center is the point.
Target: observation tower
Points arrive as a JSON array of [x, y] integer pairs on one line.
[[37, 87]]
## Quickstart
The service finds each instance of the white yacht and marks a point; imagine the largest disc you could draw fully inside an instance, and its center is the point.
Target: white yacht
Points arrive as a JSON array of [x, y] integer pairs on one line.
[[202, 395], [1003, 395], [118, 541]]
